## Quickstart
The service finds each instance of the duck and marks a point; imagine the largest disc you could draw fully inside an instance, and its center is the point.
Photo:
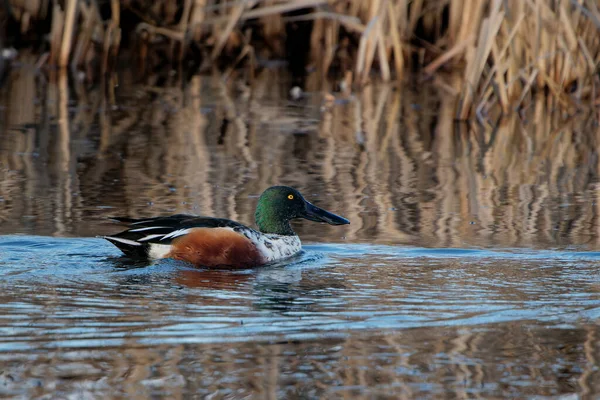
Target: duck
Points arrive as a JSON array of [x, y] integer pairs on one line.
[[209, 242]]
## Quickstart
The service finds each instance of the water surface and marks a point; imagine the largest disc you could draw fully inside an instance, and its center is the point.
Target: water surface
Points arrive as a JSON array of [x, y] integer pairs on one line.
[[470, 268]]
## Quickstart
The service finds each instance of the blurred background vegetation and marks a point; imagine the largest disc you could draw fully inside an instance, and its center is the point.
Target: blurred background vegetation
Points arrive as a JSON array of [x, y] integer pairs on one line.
[[493, 56]]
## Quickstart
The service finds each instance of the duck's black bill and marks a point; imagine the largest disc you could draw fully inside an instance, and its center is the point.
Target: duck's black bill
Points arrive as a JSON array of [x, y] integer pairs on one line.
[[314, 213]]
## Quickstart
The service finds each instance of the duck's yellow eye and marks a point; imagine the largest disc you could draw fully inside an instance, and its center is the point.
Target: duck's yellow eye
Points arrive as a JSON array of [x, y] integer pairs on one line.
[[291, 196]]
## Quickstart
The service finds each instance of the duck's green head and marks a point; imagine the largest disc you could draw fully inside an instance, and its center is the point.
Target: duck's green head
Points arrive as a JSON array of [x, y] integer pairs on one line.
[[279, 204]]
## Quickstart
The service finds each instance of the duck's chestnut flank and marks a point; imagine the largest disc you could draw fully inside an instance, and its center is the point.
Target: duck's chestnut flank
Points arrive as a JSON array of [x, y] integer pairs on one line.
[[216, 247]]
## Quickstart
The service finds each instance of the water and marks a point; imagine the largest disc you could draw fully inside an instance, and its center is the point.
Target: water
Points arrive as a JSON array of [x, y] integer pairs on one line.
[[360, 320], [470, 268]]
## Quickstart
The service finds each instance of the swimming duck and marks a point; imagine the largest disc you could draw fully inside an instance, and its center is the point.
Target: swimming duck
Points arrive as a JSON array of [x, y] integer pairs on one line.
[[216, 242]]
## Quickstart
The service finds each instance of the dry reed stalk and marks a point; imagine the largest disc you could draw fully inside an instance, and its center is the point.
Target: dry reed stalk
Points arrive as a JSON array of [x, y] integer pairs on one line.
[[455, 51], [500, 58], [112, 37], [227, 8], [395, 37], [56, 33], [454, 20], [368, 43], [91, 22], [362, 49], [330, 36], [384, 66], [467, 18], [272, 27], [473, 73], [350, 22], [291, 5], [157, 30], [197, 18], [372, 39], [67, 36], [108, 40], [501, 66], [234, 17], [316, 49], [379, 45], [416, 9], [591, 63], [182, 25]]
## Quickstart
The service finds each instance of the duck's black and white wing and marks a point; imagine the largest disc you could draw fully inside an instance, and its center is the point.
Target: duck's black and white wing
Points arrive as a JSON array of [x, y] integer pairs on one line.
[[143, 234]]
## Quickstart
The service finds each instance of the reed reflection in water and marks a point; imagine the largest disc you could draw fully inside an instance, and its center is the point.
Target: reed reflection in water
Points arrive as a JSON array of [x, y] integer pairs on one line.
[[393, 161]]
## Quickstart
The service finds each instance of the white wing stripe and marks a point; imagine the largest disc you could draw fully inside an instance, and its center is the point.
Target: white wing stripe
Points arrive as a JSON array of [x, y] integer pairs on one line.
[[149, 237], [148, 229], [141, 222], [177, 233]]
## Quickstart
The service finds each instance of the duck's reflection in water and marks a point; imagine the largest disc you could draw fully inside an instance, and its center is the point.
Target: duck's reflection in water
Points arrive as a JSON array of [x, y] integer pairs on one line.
[[212, 279]]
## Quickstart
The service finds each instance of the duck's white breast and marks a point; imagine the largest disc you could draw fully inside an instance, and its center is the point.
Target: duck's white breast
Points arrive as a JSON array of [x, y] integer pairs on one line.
[[274, 247]]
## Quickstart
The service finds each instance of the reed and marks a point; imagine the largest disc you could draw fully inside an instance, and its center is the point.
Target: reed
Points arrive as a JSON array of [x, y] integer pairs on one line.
[[507, 50]]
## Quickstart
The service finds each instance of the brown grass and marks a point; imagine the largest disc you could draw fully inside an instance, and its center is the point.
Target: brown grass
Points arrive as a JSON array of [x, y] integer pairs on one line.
[[508, 50]]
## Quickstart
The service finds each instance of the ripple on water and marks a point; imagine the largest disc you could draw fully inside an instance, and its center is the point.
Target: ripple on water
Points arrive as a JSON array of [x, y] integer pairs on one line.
[[327, 288], [80, 295]]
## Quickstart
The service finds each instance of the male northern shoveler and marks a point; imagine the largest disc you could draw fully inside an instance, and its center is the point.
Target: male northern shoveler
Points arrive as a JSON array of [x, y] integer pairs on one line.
[[216, 242]]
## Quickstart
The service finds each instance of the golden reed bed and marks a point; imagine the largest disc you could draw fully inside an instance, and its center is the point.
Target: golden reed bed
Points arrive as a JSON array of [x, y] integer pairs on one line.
[[505, 51]]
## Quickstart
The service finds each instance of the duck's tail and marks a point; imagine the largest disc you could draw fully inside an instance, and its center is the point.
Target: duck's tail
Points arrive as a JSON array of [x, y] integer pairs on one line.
[[131, 248], [148, 238]]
